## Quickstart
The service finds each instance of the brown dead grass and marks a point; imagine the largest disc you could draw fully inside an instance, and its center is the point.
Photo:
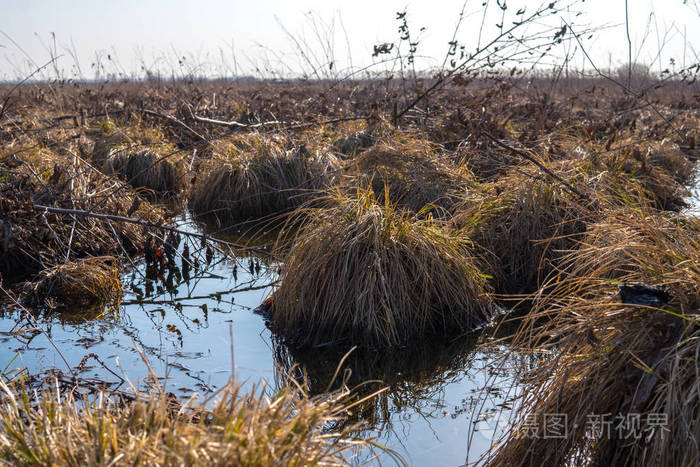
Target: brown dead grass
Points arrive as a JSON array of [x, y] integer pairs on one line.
[[418, 175], [524, 221], [241, 428], [80, 283], [608, 357], [262, 181], [374, 275], [146, 169]]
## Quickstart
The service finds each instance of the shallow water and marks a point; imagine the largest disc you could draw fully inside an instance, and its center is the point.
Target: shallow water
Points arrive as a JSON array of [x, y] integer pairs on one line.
[[694, 197], [184, 327]]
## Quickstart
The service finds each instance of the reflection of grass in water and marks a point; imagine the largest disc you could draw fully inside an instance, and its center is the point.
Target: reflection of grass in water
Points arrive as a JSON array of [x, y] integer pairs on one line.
[[415, 376], [108, 313], [256, 237], [179, 300]]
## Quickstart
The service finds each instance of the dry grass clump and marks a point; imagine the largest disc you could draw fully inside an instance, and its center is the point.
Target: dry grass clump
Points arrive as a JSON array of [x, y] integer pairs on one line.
[[524, 221], [417, 174], [241, 428], [659, 186], [144, 169], [678, 397], [353, 144], [263, 183], [364, 273], [239, 144], [485, 160], [101, 140], [669, 157], [83, 282], [659, 173], [636, 364]]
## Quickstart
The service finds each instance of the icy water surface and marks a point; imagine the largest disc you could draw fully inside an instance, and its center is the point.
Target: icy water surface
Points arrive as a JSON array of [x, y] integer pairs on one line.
[[183, 320]]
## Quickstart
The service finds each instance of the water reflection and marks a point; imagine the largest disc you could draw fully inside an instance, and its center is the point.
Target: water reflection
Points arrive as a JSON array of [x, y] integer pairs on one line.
[[435, 393], [180, 307]]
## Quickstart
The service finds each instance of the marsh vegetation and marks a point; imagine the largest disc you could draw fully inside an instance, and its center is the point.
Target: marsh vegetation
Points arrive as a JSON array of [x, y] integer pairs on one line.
[[330, 272]]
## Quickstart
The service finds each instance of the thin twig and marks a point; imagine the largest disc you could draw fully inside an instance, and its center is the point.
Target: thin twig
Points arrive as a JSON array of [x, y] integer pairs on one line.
[[130, 220], [290, 126], [622, 85], [15, 158], [7, 97], [527, 156], [236, 124], [177, 121]]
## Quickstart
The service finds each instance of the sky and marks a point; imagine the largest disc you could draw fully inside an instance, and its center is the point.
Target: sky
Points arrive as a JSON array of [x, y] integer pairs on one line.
[[268, 38]]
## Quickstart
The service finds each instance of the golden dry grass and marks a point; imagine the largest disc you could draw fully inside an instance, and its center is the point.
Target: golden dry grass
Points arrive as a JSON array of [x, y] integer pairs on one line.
[[241, 428], [261, 181], [145, 169], [377, 276], [79, 283], [524, 221], [416, 173], [610, 357]]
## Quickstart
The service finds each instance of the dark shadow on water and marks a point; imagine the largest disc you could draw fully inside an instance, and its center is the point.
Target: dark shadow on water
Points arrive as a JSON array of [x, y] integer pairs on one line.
[[414, 377]]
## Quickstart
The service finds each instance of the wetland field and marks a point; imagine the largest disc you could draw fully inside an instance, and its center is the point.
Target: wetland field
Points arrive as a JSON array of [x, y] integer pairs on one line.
[[261, 272]]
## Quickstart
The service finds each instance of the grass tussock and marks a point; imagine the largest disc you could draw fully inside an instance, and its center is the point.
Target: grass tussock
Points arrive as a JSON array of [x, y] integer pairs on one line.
[[144, 169], [610, 355], [525, 219], [264, 182], [524, 222], [241, 428], [378, 276], [657, 172], [651, 174], [416, 173], [83, 282], [668, 156]]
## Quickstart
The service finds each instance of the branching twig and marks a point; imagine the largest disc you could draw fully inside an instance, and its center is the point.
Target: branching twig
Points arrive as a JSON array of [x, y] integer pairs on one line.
[[176, 121], [7, 97], [622, 85]]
